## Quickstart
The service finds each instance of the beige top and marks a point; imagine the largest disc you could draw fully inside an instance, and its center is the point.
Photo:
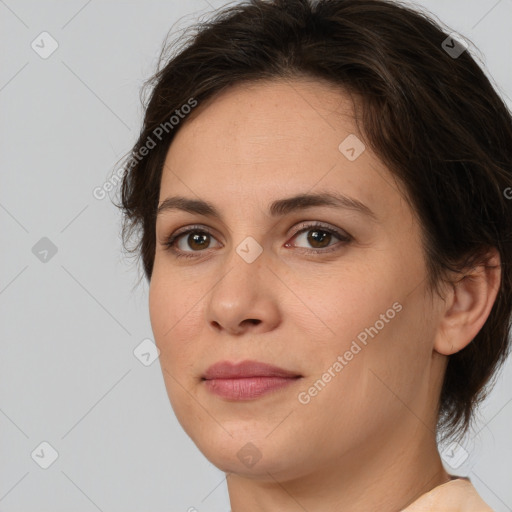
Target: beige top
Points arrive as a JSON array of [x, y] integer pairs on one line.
[[457, 495]]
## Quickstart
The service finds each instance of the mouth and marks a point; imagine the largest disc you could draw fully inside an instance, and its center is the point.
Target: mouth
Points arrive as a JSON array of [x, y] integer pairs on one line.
[[247, 380]]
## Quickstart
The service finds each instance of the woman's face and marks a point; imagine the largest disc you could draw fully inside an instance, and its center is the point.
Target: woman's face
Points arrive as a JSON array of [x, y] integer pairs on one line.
[[343, 306]]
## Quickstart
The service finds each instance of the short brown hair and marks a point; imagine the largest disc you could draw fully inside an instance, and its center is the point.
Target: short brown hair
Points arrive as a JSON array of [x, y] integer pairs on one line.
[[434, 119]]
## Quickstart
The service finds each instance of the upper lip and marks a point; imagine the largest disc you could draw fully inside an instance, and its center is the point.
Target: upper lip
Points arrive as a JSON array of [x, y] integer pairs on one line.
[[244, 369]]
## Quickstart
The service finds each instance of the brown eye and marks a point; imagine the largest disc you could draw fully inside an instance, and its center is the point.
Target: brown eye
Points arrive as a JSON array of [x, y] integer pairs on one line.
[[186, 243], [197, 241], [319, 237]]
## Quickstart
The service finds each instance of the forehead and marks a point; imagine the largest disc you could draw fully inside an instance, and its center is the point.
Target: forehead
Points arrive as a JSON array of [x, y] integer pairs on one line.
[[267, 119], [272, 139]]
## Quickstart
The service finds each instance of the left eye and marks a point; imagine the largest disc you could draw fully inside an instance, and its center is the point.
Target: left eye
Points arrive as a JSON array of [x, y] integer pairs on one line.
[[318, 236]]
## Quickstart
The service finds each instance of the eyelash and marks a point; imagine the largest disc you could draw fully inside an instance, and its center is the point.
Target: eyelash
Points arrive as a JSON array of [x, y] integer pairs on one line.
[[344, 238]]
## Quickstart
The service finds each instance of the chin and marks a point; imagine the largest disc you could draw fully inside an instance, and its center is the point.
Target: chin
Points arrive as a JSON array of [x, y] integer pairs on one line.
[[255, 457]]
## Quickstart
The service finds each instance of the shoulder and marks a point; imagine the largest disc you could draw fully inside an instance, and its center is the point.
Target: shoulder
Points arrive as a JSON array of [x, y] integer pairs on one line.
[[457, 495]]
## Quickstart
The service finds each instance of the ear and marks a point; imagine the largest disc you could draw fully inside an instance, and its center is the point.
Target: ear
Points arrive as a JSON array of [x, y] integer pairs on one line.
[[468, 305]]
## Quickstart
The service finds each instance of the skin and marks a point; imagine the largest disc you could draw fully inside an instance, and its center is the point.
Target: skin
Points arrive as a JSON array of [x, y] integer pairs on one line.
[[366, 441]]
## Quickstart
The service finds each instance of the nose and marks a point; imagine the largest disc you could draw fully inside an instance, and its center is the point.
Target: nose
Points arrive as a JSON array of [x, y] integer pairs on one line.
[[244, 299]]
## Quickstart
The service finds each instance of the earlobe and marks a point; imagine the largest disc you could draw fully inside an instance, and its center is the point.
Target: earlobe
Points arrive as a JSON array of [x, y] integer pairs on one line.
[[471, 301]]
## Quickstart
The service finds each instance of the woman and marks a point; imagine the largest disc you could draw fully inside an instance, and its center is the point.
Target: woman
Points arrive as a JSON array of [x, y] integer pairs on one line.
[[320, 190]]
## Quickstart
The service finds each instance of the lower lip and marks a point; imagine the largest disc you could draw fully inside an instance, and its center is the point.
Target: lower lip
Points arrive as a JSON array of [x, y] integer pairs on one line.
[[247, 388]]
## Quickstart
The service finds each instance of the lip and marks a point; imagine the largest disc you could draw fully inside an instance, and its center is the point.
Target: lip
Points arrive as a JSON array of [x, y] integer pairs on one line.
[[247, 380], [245, 369]]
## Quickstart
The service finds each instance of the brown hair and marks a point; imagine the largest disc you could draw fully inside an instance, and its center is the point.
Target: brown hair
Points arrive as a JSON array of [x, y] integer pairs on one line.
[[433, 118]]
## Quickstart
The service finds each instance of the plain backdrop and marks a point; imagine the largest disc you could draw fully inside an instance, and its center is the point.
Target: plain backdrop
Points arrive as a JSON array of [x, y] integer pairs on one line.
[[70, 313]]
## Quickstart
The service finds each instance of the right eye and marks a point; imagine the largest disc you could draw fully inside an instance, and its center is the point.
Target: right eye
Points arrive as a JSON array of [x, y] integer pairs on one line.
[[197, 238]]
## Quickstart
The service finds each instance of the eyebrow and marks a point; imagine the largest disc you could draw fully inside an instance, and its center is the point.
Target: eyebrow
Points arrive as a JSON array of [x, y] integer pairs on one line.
[[277, 208]]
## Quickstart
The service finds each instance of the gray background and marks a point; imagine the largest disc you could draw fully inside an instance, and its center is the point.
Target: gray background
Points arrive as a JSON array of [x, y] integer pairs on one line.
[[70, 324]]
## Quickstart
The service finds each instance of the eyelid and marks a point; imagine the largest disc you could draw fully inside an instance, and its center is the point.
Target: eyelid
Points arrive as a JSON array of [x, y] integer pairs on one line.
[[306, 225], [185, 231], [192, 227]]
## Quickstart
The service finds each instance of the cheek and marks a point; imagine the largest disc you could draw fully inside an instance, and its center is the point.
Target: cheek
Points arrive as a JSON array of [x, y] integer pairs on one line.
[[174, 317], [161, 308], [376, 326], [375, 382], [173, 320], [337, 308], [396, 359]]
